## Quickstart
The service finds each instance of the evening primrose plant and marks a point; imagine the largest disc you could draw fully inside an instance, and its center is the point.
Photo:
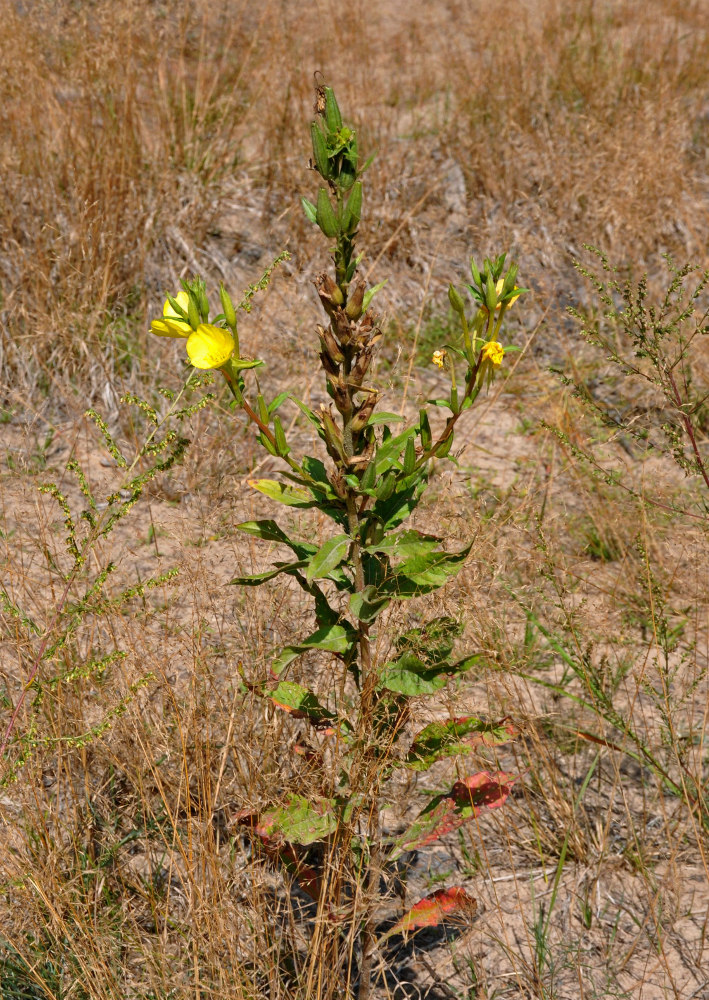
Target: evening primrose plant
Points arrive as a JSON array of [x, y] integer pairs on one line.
[[369, 479]]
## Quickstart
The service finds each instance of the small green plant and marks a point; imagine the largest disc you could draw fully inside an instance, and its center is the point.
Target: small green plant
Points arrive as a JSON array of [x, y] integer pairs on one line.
[[59, 656], [328, 832], [654, 344]]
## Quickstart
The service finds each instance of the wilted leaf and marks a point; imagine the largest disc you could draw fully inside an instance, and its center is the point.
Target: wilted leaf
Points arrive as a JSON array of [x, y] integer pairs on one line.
[[444, 904], [465, 801], [456, 736]]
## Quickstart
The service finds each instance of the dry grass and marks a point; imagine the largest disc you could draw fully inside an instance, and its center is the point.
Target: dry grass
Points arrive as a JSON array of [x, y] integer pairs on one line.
[[141, 142]]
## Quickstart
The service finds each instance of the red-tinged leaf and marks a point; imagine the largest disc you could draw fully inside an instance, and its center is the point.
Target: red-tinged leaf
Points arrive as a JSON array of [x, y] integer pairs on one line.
[[445, 813], [484, 790], [300, 703], [454, 737], [282, 854], [300, 821], [444, 904]]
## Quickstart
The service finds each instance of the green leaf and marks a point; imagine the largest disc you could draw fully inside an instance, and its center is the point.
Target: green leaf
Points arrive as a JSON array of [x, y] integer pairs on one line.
[[366, 604], [330, 639], [254, 579], [277, 402], [425, 571], [289, 495], [300, 703], [411, 677], [389, 451], [370, 293], [309, 209], [381, 417], [242, 364], [407, 544], [300, 821], [328, 557], [454, 737]]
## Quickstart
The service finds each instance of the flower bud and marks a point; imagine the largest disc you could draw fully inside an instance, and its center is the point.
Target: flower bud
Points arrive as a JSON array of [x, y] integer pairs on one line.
[[227, 307]]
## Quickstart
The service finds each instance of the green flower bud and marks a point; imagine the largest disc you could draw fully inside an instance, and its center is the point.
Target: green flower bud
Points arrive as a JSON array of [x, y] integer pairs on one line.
[[227, 307]]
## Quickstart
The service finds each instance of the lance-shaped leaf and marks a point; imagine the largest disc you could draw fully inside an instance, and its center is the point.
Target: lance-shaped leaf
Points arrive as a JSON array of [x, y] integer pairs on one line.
[[445, 813], [431, 911], [328, 556], [300, 821], [254, 579], [454, 737], [289, 495], [269, 531], [330, 638]]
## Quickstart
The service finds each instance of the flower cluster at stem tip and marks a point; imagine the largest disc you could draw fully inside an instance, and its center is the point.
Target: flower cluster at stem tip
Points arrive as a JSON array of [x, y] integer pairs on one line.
[[207, 346]]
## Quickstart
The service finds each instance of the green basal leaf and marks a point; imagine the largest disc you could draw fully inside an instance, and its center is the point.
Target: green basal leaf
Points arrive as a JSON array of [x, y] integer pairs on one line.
[[328, 556]]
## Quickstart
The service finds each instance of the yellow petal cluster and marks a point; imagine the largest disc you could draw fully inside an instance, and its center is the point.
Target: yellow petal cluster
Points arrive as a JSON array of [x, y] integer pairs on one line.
[[493, 352], [439, 359], [498, 289], [172, 324], [209, 346]]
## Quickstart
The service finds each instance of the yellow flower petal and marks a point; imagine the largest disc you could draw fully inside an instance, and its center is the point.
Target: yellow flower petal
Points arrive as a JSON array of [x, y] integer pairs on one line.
[[209, 346], [182, 299], [170, 328], [493, 352]]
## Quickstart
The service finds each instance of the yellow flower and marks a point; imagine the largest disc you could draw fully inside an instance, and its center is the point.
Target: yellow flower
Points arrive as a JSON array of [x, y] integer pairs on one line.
[[209, 346], [172, 324], [439, 358], [493, 352]]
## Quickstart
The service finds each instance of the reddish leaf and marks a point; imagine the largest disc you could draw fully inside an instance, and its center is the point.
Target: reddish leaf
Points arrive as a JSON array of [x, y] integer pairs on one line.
[[465, 801], [432, 910]]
